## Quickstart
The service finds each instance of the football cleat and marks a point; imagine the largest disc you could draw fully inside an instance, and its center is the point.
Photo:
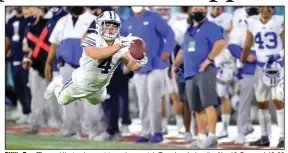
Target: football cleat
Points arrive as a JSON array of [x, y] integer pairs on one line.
[[56, 82]]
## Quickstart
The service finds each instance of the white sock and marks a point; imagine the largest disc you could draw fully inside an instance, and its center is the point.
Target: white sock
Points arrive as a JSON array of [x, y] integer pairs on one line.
[[253, 113], [202, 136], [225, 120], [268, 122], [179, 121], [211, 134], [280, 121], [264, 118], [193, 126], [164, 122], [261, 120]]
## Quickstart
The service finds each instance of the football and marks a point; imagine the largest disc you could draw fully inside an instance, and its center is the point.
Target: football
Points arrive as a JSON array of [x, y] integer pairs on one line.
[[137, 49]]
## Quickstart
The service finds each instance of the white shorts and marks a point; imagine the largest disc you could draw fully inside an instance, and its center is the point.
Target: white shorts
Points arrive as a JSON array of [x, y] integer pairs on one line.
[[262, 91], [70, 92], [222, 89], [170, 83]]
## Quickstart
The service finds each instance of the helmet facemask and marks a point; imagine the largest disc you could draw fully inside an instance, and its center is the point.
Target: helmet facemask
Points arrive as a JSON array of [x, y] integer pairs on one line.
[[109, 30]]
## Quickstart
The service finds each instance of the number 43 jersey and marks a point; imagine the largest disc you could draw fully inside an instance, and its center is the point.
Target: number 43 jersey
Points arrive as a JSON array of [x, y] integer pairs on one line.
[[267, 38], [94, 74]]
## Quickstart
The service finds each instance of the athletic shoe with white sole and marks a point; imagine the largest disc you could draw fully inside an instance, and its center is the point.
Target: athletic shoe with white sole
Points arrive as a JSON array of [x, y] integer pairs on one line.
[[188, 137], [208, 142], [240, 139], [125, 129], [223, 134], [56, 82], [23, 119], [117, 137], [103, 137]]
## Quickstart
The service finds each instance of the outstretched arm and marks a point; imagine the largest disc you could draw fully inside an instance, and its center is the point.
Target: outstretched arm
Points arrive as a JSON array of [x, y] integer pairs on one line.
[[132, 64], [101, 53], [90, 49]]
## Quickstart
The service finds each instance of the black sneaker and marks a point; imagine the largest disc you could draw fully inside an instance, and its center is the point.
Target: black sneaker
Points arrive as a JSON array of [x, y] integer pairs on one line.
[[281, 144], [260, 142]]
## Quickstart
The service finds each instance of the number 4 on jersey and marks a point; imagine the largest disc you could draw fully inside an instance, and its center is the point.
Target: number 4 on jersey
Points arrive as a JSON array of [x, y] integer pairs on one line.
[[105, 65]]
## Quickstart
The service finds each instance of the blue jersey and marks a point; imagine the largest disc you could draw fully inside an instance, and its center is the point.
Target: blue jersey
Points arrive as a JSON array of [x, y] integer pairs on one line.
[[15, 31]]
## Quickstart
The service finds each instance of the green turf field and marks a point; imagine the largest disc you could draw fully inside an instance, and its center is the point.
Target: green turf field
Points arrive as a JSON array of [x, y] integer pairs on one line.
[[24, 141]]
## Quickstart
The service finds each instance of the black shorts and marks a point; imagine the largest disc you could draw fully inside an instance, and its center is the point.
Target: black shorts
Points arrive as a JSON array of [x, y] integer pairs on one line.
[[201, 89], [182, 92]]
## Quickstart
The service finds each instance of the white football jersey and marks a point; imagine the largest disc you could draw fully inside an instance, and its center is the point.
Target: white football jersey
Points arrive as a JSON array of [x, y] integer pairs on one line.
[[176, 16], [237, 36], [240, 18], [226, 64], [224, 20], [179, 28], [225, 59], [95, 74], [267, 38]]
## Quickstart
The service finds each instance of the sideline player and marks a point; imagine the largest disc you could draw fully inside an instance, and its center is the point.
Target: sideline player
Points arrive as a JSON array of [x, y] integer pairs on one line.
[[267, 32], [102, 53], [246, 84], [14, 35], [225, 66]]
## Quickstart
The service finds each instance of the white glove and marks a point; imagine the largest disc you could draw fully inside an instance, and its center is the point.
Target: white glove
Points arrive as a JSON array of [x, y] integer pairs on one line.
[[142, 62], [126, 41]]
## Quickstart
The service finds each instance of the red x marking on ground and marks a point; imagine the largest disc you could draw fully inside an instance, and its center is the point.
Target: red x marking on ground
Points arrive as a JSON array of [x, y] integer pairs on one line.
[[39, 42]]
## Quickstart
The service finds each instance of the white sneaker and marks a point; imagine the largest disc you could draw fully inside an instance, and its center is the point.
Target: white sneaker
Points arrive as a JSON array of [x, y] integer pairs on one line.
[[56, 82], [103, 137], [188, 137], [57, 91], [54, 123], [223, 133], [240, 139], [66, 133], [193, 144], [164, 130], [23, 119], [212, 140], [198, 144], [125, 129], [117, 137], [207, 143], [94, 133]]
